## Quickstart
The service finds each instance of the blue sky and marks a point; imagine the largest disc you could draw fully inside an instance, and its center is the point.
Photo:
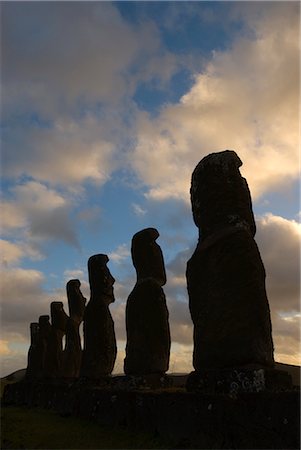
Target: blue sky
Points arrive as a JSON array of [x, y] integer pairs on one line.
[[106, 109]]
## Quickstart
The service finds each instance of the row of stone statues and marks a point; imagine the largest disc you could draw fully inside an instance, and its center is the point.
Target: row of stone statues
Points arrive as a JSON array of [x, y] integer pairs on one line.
[[147, 326], [226, 288]]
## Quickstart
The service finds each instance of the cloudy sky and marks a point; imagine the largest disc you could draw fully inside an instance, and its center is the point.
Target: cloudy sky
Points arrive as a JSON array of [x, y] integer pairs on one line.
[[106, 110]]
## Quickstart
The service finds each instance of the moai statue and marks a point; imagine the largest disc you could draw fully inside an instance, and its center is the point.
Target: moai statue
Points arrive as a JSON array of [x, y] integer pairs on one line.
[[100, 348], [73, 351], [42, 342], [54, 353], [225, 275], [33, 361], [147, 327]]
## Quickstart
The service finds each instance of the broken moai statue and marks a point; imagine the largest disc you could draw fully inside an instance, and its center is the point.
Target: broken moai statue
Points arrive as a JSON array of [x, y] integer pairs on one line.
[[54, 351], [100, 349], [33, 359], [147, 327], [73, 351], [225, 275]]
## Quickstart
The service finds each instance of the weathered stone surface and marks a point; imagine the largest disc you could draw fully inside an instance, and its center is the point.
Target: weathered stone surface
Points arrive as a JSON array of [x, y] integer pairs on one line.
[[100, 349], [54, 352], [147, 327], [33, 359], [225, 275], [73, 350]]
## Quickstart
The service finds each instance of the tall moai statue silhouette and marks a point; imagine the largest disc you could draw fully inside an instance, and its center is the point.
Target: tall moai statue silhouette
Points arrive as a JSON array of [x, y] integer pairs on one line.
[[73, 350], [225, 275], [33, 358], [147, 326], [42, 343], [100, 350], [54, 351]]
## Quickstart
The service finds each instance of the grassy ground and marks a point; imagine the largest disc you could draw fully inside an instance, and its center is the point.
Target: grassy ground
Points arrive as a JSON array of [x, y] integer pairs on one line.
[[42, 429]]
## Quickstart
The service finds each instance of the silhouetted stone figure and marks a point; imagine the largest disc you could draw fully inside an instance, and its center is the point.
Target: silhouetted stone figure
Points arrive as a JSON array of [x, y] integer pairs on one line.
[[73, 350], [147, 327], [54, 352], [33, 361], [100, 349], [225, 275], [42, 342]]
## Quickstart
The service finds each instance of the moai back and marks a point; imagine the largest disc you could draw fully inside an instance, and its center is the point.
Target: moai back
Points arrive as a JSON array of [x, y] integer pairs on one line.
[[225, 275]]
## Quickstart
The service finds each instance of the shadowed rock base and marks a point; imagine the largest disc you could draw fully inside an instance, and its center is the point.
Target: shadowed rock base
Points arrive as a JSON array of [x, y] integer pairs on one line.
[[240, 380], [253, 420]]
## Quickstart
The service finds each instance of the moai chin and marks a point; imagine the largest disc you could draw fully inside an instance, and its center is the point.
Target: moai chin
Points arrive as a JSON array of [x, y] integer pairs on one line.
[[100, 348], [225, 275], [73, 351], [33, 360], [54, 353], [147, 326]]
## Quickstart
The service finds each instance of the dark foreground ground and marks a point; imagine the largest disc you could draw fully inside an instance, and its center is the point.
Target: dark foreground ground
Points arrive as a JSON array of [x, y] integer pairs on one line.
[[45, 416], [71, 416], [43, 429]]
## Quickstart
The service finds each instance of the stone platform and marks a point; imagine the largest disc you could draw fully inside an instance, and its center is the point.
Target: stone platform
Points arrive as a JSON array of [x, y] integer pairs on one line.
[[258, 420], [240, 380]]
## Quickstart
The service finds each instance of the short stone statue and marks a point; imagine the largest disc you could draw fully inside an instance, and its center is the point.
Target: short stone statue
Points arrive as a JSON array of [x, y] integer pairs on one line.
[[33, 359], [100, 350], [54, 352], [147, 326], [73, 350], [225, 275]]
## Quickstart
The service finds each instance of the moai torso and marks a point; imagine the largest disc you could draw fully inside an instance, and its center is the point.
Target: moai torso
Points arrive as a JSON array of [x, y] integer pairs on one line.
[[225, 275], [147, 327], [73, 350], [100, 348], [33, 361], [54, 353]]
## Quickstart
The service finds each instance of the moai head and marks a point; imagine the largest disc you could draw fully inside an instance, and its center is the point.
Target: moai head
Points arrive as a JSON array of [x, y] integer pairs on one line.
[[100, 279], [44, 326], [147, 256], [76, 300], [220, 195], [58, 316], [34, 333]]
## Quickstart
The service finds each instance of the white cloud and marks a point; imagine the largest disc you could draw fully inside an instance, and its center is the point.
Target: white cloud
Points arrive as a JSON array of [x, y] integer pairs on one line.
[[10, 253], [245, 99], [138, 210], [41, 212], [121, 253], [73, 274], [23, 299], [71, 87], [82, 50], [279, 242]]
